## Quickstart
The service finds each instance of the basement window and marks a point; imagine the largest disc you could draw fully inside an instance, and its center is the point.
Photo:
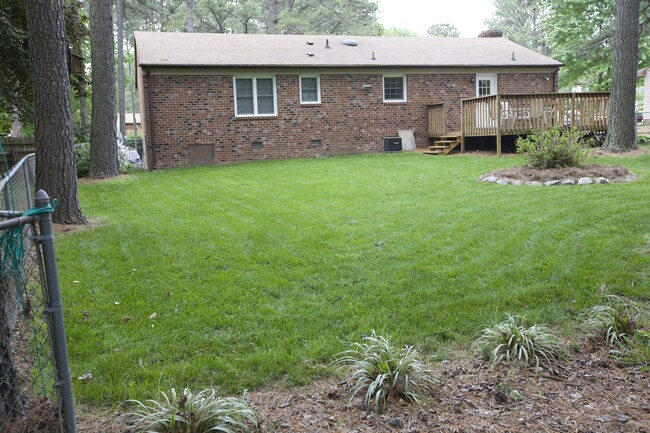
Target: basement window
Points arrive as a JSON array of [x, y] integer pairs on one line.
[[257, 145], [395, 89], [255, 97]]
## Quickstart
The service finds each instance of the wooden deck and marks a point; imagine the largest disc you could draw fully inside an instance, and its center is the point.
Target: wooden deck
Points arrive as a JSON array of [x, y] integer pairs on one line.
[[521, 114]]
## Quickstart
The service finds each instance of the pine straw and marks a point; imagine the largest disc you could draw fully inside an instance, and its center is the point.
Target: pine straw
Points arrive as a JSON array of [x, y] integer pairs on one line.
[[614, 173], [590, 393]]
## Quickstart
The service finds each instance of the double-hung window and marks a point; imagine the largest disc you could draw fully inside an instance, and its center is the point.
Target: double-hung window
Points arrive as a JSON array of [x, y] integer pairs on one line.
[[309, 90], [395, 89], [255, 97]]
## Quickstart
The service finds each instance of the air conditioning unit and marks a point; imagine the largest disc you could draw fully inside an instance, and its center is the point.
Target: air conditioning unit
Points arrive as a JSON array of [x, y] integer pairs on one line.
[[392, 144]]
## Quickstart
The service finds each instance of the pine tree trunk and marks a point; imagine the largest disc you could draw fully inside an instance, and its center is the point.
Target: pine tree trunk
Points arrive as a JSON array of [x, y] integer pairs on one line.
[[120, 66], [16, 125], [190, 16], [620, 133], [103, 137], [273, 16], [56, 172]]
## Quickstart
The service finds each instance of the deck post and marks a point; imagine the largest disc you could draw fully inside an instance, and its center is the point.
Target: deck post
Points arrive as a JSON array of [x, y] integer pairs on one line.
[[498, 120], [462, 127]]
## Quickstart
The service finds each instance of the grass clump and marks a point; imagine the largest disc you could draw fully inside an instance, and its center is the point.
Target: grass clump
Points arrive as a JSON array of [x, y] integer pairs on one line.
[[635, 351], [554, 148], [512, 341], [380, 370], [616, 321], [189, 412]]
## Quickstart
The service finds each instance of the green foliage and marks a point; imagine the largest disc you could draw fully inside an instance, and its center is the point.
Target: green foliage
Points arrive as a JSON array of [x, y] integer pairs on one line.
[[513, 341], [522, 22], [616, 321], [397, 31], [380, 370], [643, 139], [443, 31], [82, 158], [636, 350], [553, 148], [580, 33], [202, 412]]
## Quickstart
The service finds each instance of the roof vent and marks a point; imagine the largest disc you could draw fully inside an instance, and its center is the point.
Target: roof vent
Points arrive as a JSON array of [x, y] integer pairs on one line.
[[350, 42], [310, 42], [310, 53], [327, 43], [491, 34]]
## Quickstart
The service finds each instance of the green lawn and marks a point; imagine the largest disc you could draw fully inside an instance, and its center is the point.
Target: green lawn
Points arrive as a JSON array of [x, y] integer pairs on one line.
[[259, 273]]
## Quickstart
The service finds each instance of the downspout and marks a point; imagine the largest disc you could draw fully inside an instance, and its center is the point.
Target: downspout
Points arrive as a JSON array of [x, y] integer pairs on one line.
[[152, 122], [555, 80]]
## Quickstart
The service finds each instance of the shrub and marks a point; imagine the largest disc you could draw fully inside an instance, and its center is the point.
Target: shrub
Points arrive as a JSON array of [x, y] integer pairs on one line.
[[82, 158], [511, 341], [643, 139], [553, 148], [616, 321], [380, 370], [192, 413]]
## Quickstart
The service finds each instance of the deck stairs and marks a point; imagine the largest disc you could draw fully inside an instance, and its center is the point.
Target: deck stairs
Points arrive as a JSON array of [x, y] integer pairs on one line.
[[444, 144]]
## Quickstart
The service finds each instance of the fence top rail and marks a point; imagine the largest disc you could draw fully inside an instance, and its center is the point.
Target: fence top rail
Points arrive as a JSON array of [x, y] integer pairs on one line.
[[539, 95]]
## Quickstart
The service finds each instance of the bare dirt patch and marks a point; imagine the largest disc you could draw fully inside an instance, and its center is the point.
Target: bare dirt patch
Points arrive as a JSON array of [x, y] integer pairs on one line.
[[589, 393], [71, 228], [614, 173]]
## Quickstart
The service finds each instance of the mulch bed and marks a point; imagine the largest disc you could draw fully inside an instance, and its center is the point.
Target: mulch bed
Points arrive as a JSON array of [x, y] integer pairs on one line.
[[613, 173], [590, 392]]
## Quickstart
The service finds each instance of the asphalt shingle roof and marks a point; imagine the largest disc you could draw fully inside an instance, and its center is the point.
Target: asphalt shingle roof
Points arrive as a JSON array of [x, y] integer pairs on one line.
[[260, 50]]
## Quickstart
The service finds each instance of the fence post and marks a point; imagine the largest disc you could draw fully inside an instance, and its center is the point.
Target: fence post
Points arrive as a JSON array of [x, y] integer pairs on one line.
[[55, 310]]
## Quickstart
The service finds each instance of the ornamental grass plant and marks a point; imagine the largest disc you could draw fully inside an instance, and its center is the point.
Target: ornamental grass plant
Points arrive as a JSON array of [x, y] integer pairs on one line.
[[379, 370], [513, 341], [616, 321], [190, 412]]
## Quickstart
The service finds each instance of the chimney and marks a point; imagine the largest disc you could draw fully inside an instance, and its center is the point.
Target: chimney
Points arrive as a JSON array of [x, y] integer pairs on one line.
[[491, 34]]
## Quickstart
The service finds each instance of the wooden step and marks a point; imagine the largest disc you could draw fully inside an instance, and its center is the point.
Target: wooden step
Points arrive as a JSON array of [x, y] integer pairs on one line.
[[432, 147], [444, 142], [434, 152]]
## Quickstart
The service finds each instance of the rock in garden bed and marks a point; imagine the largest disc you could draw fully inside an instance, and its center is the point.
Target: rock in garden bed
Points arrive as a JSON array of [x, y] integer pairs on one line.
[[587, 174]]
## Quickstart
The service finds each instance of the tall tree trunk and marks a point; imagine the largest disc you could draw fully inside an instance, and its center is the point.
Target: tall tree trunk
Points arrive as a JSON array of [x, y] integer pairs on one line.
[[190, 16], [273, 16], [103, 138], [120, 66], [620, 133], [83, 101], [16, 125], [56, 172]]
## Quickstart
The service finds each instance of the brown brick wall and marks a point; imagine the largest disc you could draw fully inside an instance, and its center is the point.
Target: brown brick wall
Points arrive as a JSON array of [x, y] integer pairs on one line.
[[194, 110]]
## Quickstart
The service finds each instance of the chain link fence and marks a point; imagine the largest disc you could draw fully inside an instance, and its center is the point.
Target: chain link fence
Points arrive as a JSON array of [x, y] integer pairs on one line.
[[35, 386]]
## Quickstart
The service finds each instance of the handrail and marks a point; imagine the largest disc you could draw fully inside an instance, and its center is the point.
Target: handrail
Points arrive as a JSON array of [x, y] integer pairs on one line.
[[513, 114]]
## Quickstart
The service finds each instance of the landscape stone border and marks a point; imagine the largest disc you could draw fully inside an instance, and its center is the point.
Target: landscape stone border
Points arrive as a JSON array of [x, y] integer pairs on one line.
[[580, 181]]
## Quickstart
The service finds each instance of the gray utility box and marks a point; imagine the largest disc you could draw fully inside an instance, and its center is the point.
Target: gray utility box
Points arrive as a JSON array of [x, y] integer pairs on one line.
[[392, 144]]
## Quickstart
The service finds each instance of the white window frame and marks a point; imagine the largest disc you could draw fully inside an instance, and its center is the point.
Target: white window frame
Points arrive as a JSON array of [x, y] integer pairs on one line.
[[317, 101], [383, 81], [493, 82], [255, 108]]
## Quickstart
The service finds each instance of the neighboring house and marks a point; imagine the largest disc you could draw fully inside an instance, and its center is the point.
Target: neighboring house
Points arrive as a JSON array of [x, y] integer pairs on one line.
[[645, 75], [131, 123], [223, 98]]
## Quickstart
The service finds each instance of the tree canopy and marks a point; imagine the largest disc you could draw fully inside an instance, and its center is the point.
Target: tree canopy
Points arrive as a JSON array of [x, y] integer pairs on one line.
[[443, 31]]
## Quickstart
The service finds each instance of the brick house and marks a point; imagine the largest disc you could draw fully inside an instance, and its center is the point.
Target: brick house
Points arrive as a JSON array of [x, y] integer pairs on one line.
[[224, 98]]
